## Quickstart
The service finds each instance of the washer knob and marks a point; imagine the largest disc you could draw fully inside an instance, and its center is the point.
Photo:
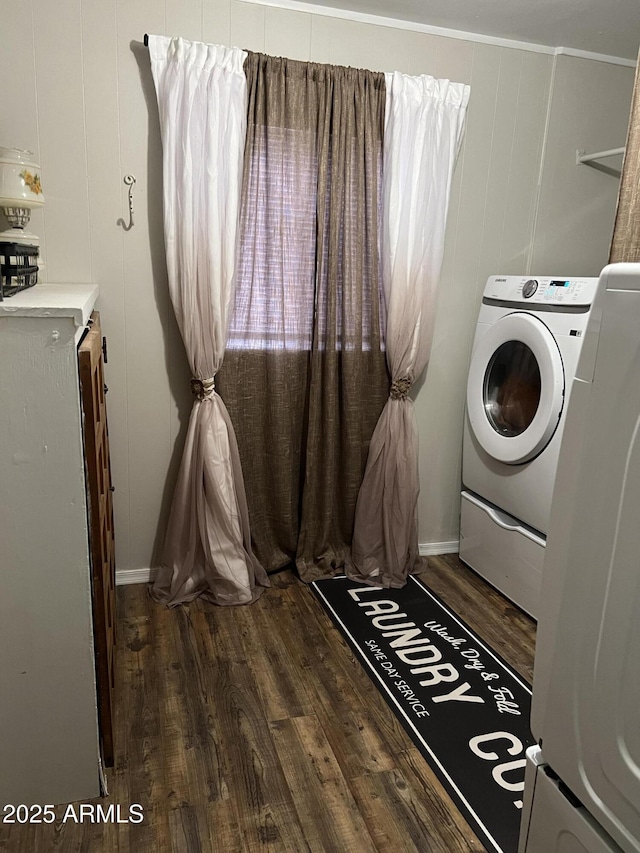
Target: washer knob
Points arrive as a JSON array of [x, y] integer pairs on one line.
[[529, 288]]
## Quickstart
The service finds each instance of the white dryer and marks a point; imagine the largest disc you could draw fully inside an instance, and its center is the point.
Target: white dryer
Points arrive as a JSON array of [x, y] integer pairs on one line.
[[582, 788], [528, 339]]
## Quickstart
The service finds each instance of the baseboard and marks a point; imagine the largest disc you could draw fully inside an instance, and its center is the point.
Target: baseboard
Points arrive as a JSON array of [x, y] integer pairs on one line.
[[425, 549], [432, 549], [126, 576]]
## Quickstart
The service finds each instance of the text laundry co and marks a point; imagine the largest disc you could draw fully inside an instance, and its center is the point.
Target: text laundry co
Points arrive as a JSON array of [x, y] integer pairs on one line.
[[415, 649]]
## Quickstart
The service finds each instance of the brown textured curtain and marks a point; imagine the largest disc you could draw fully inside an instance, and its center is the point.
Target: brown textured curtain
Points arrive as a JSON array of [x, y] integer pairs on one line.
[[304, 376], [625, 245]]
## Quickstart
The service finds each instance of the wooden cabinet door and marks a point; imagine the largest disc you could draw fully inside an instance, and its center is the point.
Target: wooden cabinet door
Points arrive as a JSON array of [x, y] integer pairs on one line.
[[102, 546]]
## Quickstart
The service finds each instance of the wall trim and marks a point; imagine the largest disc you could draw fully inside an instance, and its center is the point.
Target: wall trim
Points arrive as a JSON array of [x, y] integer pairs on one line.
[[445, 32], [127, 576], [433, 549], [598, 57], [425, 549]]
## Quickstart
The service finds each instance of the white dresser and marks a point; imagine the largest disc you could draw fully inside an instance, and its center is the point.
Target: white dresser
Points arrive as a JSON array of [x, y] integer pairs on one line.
[[49, 731]]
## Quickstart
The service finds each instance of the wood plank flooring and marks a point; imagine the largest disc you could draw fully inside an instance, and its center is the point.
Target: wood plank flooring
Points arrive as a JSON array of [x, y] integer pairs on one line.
[[255, 729]]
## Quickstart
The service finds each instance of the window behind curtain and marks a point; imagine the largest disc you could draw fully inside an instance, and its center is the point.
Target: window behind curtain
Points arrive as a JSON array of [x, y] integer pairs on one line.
[[277, 293], [276, 269]]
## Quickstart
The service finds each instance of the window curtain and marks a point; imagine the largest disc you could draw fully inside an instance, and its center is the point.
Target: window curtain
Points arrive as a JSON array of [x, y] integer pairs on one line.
[[305, 377], [424, 121], [201, 91], [625, 245]]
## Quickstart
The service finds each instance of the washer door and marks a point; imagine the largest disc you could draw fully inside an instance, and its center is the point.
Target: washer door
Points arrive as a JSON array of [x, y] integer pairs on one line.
[[515, 390]]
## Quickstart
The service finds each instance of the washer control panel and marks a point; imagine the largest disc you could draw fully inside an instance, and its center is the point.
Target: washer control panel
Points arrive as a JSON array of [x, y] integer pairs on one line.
[[534, 289]]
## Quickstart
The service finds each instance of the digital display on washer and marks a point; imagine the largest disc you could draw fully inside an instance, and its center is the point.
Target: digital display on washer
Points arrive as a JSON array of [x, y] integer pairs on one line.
[[559, 284]]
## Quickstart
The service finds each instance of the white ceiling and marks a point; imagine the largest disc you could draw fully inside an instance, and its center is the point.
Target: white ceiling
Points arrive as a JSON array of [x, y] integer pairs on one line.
[[610, 27]]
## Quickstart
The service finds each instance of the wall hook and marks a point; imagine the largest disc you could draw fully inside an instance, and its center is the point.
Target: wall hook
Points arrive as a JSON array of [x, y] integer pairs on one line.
[[130, 182]]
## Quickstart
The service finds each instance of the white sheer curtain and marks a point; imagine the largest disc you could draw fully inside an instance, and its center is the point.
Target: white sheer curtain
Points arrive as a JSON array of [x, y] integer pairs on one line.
[[202, 93], [424, 121]]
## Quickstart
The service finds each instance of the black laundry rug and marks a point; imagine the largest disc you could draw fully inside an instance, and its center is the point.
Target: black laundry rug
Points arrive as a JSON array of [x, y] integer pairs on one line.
[[465, 709]]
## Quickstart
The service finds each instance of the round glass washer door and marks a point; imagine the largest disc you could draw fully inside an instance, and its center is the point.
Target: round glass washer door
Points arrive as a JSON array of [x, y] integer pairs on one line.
[[515, 390]]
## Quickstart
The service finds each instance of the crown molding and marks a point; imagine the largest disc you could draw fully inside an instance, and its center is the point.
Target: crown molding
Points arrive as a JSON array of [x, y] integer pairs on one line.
[[414, 26]]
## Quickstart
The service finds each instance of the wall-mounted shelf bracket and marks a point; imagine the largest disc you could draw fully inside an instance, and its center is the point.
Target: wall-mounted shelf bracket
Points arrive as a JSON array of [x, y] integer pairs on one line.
[[583, 159]]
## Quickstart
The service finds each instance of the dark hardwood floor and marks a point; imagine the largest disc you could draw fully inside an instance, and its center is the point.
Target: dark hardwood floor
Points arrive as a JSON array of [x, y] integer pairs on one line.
[[254, 728]]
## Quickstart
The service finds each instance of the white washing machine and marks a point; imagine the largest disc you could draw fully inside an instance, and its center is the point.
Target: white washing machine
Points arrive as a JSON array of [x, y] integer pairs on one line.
[[528, 339]]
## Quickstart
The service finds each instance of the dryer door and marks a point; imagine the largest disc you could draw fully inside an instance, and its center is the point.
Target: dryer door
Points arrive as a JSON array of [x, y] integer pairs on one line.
[[515, 390]]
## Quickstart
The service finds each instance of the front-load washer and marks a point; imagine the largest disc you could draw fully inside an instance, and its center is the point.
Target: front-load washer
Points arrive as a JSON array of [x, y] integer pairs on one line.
[[528, 339]]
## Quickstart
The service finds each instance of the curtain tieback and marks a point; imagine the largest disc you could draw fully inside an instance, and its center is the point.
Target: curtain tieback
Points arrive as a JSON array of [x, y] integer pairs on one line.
[[203, 389], [400, 388]]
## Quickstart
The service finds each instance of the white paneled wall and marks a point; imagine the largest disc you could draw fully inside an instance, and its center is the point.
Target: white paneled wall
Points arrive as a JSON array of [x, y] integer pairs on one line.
[[58, 45], [575, 199], [78, 91]]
